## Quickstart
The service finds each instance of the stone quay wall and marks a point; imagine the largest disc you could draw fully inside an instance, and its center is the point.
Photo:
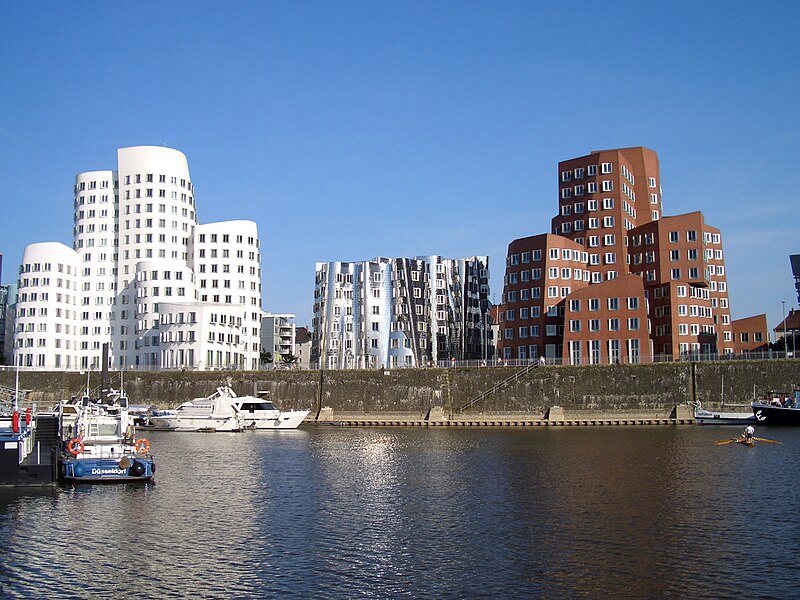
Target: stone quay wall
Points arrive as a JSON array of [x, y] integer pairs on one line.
[[607, 391]]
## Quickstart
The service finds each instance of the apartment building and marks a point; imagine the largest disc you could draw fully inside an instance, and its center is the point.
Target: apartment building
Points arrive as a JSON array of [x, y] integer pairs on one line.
[[541, 272], [751, 334], [610, 211], [278, 335], [400, 312], [137, 250]]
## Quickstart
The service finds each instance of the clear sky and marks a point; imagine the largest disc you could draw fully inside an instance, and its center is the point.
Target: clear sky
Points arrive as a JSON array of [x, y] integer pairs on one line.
[[349, 130]]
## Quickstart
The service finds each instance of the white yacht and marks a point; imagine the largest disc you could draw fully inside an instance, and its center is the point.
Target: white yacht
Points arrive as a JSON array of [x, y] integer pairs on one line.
[[260, 413], [224, 411]]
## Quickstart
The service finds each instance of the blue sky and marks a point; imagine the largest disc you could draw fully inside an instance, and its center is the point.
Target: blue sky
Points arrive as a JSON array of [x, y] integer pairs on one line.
[[349, 130]]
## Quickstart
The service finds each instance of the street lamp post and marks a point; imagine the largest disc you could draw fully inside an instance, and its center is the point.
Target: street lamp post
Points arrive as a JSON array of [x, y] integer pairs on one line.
[[785, 341]]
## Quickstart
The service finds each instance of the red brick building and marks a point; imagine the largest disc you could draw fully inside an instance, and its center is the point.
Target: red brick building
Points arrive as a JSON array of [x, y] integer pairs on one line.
[[610, 224], [750, 334], [607, 323]]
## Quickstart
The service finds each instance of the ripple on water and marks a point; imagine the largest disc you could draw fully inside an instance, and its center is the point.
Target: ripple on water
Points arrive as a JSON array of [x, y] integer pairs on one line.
[[331, 513]]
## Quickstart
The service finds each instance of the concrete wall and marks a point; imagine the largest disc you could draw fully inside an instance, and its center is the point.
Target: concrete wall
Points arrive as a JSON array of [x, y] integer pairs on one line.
[[652, 389]]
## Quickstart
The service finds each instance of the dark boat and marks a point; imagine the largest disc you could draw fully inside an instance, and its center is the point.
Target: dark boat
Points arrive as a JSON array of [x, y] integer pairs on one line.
[[782, 409]]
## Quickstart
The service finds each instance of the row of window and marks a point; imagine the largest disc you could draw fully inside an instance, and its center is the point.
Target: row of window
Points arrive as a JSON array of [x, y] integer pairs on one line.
[[148, 178], [605, 186], [590, 171]]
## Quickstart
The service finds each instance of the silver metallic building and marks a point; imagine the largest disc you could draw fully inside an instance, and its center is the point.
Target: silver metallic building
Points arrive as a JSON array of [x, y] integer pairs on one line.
[[400, 312]]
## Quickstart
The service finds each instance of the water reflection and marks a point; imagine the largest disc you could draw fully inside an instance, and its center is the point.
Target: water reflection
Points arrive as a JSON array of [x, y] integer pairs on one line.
[[331, 513]]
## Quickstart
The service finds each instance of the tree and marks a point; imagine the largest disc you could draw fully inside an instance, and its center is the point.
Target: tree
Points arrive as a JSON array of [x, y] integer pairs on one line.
[[265, 357], [289, 359]]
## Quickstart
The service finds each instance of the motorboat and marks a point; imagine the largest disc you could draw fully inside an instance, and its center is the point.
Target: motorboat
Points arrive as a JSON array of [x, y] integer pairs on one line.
[[708, 417], [782, 408], [225, 411], [256, 412], [99, 442], [211, 413]]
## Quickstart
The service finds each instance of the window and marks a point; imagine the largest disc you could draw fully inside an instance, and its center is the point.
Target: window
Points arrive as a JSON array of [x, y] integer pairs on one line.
[[633, 324], [613, 324], [607, 185], [633, 303], [674, 255], [605, 167], [591, 170], [575, 325], [608, 221], [652, 182], [675, 274], [608, 203], [591, 187], [691, 236]]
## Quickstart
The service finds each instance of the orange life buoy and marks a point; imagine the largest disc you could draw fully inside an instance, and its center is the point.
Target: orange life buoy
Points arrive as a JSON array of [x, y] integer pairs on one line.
[[142, 446], [75, 446]]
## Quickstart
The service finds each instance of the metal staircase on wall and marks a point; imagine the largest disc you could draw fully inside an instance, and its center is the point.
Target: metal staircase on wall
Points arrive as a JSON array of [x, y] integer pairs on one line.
[[514, 378]]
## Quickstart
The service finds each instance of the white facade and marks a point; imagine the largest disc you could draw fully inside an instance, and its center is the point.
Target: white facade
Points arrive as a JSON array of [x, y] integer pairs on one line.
[[138, 247], [48, 307], [278, 335]]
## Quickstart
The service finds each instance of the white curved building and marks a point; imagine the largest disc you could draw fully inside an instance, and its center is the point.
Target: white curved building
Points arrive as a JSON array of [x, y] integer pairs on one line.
[[48, 306], [138, 248]]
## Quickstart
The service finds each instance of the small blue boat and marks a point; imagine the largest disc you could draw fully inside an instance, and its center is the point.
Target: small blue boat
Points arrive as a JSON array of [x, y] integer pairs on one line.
[[99, 442]]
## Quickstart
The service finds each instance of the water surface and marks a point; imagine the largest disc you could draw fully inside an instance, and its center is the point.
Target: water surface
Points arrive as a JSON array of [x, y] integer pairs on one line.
[[634, 512]]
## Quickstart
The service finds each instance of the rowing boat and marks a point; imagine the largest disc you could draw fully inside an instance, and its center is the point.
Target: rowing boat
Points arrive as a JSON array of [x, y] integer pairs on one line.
[[745, 441]]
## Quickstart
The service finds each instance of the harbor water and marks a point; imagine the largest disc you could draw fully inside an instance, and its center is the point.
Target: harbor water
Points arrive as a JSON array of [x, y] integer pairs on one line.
[[326, 512]]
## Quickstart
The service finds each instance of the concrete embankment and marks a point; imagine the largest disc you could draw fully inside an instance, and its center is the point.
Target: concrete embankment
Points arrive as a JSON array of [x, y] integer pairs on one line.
[[605, 393]]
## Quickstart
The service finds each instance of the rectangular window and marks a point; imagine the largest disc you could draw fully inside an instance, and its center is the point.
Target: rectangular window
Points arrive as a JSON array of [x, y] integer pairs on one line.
[[613, 324], [605, 167], [607, 185]]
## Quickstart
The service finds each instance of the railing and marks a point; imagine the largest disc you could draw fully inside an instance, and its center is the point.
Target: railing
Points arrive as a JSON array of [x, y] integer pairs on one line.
[[471, 363]]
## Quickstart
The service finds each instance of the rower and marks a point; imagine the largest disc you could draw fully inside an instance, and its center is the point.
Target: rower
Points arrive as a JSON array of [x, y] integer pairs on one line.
[[749, 431]]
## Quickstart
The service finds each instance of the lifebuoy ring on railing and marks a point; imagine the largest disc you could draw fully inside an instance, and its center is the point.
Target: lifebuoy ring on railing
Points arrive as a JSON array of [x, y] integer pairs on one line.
[[142, 446], [75, 446]]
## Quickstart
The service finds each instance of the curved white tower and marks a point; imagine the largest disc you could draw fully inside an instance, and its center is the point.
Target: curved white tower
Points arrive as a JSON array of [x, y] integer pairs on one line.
[[46, 334], [95, 241], [156, 222], [139, 262]]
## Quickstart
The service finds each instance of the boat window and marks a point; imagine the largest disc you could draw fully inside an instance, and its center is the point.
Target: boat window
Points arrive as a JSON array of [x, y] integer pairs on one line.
[[254, 406], [107, 429]]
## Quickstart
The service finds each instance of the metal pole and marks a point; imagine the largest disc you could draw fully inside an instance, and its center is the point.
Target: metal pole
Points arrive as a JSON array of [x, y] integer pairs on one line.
[[785, 341]]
